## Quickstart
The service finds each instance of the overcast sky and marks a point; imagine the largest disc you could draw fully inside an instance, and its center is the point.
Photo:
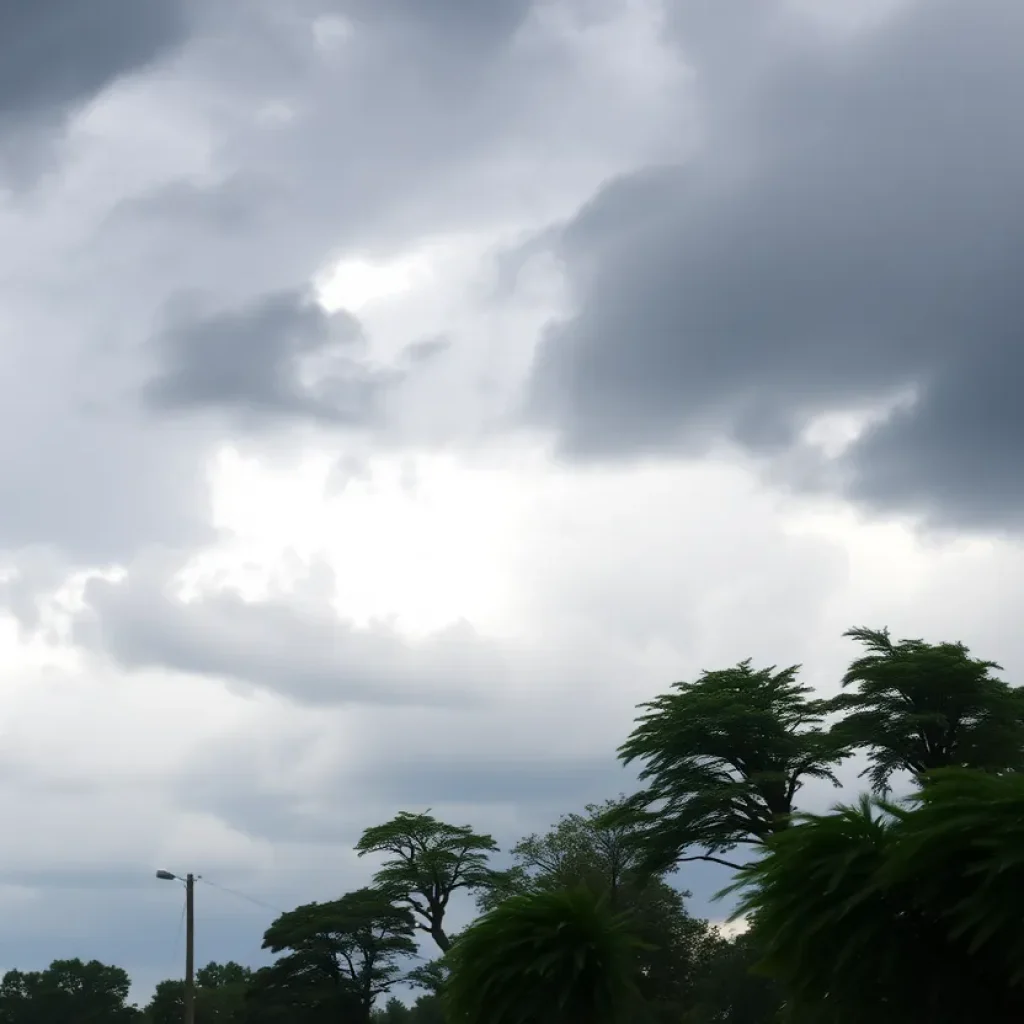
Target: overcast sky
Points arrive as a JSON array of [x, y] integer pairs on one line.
[[397, 392]]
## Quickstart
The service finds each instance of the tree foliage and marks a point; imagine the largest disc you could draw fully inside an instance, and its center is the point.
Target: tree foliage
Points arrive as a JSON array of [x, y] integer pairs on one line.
[[896, 913], [220, 996], [559, 957], [595, 849], [918, 707], [67, 992], [346, 952], [729, 990], [427, 861], [723, 760]]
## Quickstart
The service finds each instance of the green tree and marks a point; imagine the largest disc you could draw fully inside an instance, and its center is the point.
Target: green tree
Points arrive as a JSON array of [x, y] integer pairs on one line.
[[729, 989], [918, 707], [220, 996], [723, 759], [344, 953], [67, 992], [301, 988], [428, 860], [560, 957], [899, 915], [592, 848], [595, 849], [428, 1009], [394, 1012]]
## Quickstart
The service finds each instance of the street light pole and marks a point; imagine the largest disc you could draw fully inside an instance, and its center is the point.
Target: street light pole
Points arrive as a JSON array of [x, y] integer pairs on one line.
[[190, 950], [190, 940]]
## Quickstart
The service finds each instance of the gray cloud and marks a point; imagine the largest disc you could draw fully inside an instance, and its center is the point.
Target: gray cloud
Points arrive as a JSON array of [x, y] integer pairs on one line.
[[854, 228], [295, 646], [57, 55], [460, 24], [281, 355]]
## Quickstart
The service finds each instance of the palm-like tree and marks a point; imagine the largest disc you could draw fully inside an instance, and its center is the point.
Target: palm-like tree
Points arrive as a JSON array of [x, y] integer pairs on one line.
[[561, 957], [899, 913]]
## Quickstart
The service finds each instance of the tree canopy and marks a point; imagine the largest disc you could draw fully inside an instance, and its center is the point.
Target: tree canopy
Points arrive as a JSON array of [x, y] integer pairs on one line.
[[899, 912], [220, 996], [559, 957], [428, 860], [67, 992], [723, 760], [918, 706], [349, 949]]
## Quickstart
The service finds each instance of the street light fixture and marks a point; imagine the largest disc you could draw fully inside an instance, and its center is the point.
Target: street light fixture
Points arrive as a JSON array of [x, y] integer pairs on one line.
[[190, 981]]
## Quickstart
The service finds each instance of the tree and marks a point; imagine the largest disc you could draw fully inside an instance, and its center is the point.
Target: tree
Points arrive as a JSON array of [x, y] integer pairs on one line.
[[340, 954], [67, 992], [724, 758], [429, 861], [394, 1012], [897, 914], [729, 990], [220, 996], [595, 849], [561, 957], [918, 707], [592, 848]]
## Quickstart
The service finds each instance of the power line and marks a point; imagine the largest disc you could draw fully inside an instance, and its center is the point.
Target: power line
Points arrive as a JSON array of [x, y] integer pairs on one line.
[[181, 925], [243, 896]]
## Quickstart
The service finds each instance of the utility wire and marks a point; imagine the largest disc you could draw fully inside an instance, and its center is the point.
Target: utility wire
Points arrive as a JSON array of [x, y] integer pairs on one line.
[[181, 925], [242, 896]]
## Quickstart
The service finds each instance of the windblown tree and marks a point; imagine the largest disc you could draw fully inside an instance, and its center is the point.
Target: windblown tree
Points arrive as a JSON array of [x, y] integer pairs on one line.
[[340, 955], [917, 707], [594, 849], [723, 760], [427, 861], [560, 957], [899, 915]]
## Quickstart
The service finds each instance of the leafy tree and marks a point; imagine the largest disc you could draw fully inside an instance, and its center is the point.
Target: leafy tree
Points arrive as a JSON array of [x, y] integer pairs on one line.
[[300, 989], [428, 1009], [560, 957], [724, 758], [220, 996], [67, 992], [339, 954], [394, 1012], [595, 849], [430, 976], [918, 707], [729, 990], [428, 861], [592, 848], [897, 915]]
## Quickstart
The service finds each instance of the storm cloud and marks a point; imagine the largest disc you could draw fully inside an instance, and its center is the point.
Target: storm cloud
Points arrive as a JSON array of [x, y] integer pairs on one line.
[[282, 355], [850, 231]]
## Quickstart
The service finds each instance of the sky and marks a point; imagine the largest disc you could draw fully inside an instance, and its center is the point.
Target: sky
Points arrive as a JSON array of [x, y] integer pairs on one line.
[[397, 393]]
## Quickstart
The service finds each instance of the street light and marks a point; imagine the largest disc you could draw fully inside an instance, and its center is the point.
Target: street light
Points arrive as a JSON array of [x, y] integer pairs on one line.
[[190, 981]]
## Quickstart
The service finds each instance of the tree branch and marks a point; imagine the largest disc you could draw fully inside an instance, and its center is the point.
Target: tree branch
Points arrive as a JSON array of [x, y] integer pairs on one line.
[[713, 860]]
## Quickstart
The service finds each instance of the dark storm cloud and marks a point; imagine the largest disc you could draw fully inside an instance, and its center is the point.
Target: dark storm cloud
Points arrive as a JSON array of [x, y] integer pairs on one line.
[[853, 228], [56, 55], [296, 647], [452, 21], [254, 360]]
